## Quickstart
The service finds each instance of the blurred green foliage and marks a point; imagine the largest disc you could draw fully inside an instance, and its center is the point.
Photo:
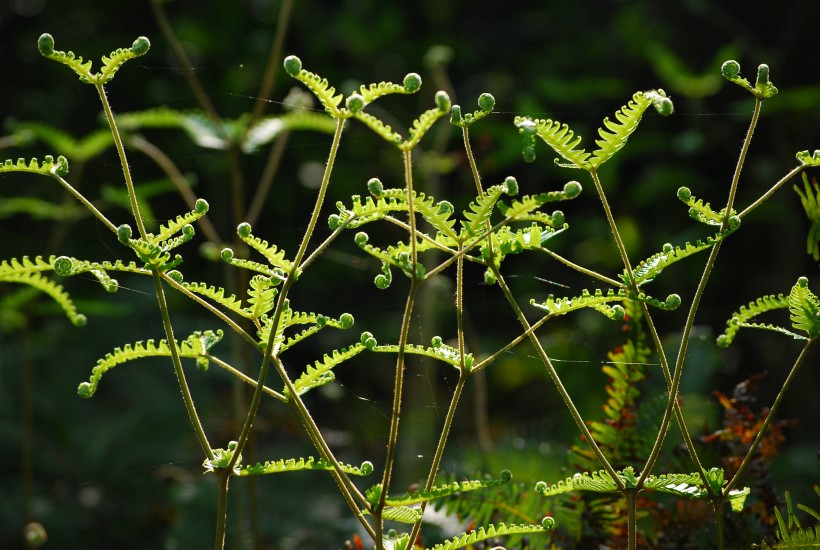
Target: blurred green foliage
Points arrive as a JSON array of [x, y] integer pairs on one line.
[[71, 464]]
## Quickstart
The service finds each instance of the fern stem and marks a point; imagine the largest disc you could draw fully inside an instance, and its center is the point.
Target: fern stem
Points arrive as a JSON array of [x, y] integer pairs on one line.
[[632, 523], [614, 228], [210, 307], [129, 184], [542, 354], [445, 434], [398, 385], [289, 281], [717, 506], [511, 344], [793, 172], [690, 318], [687, 437], [465, 132], [223, 477], [581, 269], [180, 373], [91, 208], [741, 160], [245, 378], [769, 416]]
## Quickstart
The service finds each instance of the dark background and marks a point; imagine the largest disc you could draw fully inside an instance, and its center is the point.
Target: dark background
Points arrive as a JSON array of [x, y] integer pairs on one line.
[[122, 470]]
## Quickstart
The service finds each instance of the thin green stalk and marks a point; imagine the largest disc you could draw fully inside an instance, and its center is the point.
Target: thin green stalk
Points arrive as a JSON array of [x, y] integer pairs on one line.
[[793, 172], [717, 506], [91, 208], [245, 378], [769, 416], [581, 269], [562, 391], [690, 318], [129, 184], [180, 373], [398, 384], [163, 304], [223, 477], [451, 410], [291, 279], [631, 518]]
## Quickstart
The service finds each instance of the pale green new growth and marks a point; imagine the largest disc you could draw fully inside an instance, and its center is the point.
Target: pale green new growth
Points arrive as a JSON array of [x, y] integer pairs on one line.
[[27, 272], [810, 199], [47, 168], [701, 211], [321, 372], [447, 489], [803, 306], [300, 464], [111, 63], [196, 346]]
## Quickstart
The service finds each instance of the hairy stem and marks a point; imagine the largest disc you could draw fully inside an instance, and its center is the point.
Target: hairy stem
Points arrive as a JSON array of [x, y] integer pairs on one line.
[[793, 172], [129, 184], [398, 384], [280, 303], [769, 416], [631, 518], [690, 318], [562, 391], [223, 477]]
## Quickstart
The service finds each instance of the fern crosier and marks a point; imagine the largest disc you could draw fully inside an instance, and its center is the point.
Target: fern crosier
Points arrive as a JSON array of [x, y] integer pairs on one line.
[[111, 63]]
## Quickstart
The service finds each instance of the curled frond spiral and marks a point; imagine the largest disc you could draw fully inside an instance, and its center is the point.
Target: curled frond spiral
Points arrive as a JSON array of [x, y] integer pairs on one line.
[[110, 63]]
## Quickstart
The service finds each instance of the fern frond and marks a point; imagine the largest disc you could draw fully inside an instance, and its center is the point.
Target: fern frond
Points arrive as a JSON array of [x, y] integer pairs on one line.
[[804, 307], [299, 464], [410, 85], [492, 531], [27, 272], [520, 209], [614, 134], [383, 130], [481, 208], [790, 532], [402, 514], [597, 300], [701, 211], [763, 88], [447, 489], [646, 270], [440, 352], [811, 205], [425, 121], [112, 62], [809, 159], [251, 265], [172, 227], [321, 372], [804, 310], [557, 135], [272, 254], [196, 346], [321, 88], [599, 482], [316, 321], [218, 295], [47, 168], [261, 295], [506, 241]]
